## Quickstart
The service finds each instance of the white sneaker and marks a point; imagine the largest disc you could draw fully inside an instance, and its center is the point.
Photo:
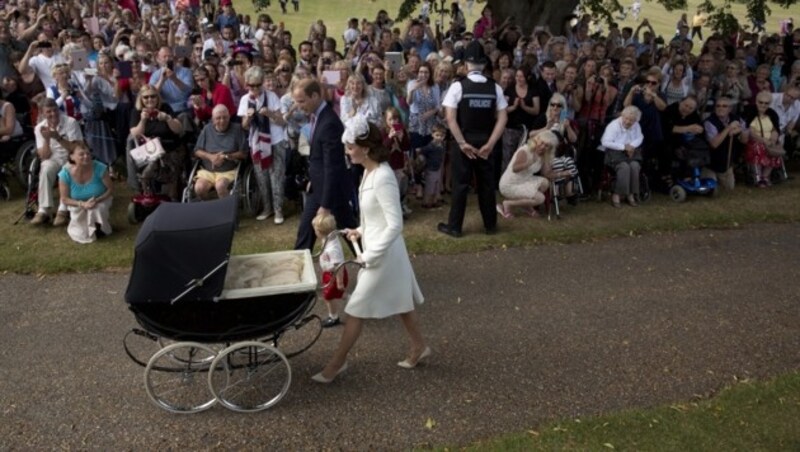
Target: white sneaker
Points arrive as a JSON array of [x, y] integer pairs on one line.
[[278, 217], [407, 210], [263, 215]]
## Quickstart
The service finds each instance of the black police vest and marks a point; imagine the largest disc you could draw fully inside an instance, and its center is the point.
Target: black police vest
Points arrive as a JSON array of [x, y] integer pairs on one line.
[[476, 111]]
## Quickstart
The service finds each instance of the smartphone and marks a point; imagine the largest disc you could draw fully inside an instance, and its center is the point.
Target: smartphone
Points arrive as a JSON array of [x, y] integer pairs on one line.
[[125, 69]]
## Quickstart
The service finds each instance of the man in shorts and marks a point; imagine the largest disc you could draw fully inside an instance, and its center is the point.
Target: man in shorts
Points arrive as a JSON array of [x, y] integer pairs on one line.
[[220, 147]]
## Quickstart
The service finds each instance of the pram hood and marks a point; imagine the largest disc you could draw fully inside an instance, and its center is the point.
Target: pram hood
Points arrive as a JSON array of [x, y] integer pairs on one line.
[[180, 244]]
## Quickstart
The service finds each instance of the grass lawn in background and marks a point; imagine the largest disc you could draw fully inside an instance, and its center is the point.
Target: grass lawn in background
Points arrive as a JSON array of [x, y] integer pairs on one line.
[[46, 249], [335, 14]]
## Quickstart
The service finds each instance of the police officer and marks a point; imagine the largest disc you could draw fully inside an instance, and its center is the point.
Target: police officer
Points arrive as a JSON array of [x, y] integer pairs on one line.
[[476, 115]]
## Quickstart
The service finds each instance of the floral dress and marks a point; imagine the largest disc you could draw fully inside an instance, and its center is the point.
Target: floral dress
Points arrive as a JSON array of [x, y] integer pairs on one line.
[[423, 100]]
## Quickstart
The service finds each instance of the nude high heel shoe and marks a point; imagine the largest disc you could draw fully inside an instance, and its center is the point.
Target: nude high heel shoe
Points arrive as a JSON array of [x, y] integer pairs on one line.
[[319, 378], [408, 364]]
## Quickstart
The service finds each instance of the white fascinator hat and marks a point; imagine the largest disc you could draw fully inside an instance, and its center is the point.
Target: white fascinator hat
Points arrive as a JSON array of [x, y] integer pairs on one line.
[[355, 128]]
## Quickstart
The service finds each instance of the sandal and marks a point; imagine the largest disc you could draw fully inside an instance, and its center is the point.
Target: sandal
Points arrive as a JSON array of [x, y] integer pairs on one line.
[[615, 201], [502, 211], [632, 201]]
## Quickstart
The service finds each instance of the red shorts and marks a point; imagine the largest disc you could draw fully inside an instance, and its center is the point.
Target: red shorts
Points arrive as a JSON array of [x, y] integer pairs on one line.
[[331, 292]]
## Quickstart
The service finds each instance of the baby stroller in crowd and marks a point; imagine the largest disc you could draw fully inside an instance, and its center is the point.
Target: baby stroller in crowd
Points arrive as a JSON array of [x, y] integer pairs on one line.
[[226, 325], [690, 158], [567, 188]]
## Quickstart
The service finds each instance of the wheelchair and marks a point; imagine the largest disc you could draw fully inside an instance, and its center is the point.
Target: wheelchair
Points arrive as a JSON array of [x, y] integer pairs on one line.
[[560, 187], [245, 186], [609, 177]]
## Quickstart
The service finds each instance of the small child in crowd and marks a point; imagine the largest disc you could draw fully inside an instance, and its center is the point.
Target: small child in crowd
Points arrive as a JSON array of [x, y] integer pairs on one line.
[[564, 165], [396, 139], [433, 157], [332, 255]]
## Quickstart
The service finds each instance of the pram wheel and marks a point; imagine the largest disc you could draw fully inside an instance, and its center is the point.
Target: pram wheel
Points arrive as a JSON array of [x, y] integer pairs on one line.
[[184, 355], [677, 193], [250, 376], [176, 385], [299, 337]]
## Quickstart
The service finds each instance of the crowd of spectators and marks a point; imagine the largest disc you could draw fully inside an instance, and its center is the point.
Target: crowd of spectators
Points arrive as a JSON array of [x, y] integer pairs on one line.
[[162, 69]]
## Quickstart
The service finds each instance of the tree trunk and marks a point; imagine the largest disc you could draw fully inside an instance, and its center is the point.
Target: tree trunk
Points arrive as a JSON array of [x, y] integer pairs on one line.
[[531, 13]]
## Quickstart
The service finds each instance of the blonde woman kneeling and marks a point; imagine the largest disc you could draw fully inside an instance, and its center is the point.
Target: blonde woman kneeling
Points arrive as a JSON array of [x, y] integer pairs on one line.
[[525, 181]]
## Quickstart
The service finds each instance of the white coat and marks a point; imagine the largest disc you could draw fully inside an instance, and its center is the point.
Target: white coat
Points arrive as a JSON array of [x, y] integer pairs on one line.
[[386, 285]]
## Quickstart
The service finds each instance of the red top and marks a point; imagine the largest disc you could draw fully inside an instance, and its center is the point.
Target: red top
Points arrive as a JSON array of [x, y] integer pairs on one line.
[[220, 95]]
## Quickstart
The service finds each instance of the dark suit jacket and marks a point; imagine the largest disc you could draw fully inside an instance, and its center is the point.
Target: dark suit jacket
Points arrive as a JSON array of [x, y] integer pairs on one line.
[[330, 182]]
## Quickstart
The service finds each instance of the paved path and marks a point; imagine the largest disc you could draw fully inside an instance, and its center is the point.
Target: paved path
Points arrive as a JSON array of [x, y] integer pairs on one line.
[[520, 336]]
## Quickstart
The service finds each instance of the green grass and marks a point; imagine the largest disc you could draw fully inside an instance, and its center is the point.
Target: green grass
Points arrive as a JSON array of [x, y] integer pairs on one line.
[[335, 13], [751, 416], [46, 249]]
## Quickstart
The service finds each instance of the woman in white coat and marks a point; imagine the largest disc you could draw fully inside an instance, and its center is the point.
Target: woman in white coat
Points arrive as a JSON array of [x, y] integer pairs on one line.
[[386, 285]]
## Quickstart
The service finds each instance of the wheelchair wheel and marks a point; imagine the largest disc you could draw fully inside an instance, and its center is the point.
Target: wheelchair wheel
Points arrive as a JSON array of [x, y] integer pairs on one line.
[[5, 191], [251, 198], [250, 376], [180, 387], [22, 162], [132, 217], [677, 193]]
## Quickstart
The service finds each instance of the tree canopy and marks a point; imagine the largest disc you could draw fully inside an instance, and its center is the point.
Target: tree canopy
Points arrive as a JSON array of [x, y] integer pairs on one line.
[[531, 13]]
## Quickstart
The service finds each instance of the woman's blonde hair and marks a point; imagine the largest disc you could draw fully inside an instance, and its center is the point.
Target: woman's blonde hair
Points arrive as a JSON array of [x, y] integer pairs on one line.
[[144, 90], [254, 75], [551, 140]]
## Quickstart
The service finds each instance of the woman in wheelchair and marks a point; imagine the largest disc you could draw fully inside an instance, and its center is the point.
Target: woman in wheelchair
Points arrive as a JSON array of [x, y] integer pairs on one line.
[[10, 131], [622, 140], [153, 119], [85, 187], [764, 126]]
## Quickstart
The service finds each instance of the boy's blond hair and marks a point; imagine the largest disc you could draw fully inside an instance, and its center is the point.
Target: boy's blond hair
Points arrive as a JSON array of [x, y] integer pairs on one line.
[[325, 223]]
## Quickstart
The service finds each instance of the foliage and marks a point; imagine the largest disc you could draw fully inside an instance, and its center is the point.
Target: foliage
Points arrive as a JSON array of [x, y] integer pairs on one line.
[[721, 19]]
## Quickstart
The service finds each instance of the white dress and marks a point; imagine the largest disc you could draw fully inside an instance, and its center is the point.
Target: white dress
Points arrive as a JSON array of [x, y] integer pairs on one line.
[[524, 184], [387, 285]]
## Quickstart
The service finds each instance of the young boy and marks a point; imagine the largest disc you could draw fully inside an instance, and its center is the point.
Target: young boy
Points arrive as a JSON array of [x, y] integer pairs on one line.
[[332, 255], [433, 157]]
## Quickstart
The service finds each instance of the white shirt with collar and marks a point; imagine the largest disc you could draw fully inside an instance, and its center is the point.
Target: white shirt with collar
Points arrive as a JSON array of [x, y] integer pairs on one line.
[[616, 136], [786, 115], [453, 95], [67, 128]]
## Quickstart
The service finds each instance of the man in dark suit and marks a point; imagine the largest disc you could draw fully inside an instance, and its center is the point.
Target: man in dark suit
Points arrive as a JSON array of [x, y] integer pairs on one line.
[[331, 186]]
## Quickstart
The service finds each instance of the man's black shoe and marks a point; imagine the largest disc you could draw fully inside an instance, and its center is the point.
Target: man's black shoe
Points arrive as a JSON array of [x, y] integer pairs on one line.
[[491, 231], [445, 229]]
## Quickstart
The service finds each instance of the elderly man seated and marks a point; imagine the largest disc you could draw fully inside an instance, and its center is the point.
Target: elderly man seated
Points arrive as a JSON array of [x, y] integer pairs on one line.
[[220, 147], [56, 136]]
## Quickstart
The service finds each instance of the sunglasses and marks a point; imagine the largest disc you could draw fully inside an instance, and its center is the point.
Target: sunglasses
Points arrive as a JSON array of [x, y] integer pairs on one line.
[[149, 96], [723, 106], [556, 105], [254, 85], [652, 82], [762, 103]]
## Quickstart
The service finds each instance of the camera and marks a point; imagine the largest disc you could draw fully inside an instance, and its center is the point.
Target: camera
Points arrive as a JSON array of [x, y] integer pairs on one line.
[[232, 63], [364, 38], [171, 65], [326, 61]]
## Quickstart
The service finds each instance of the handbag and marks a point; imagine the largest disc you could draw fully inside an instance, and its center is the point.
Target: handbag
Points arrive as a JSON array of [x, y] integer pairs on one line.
[[147, 153]]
